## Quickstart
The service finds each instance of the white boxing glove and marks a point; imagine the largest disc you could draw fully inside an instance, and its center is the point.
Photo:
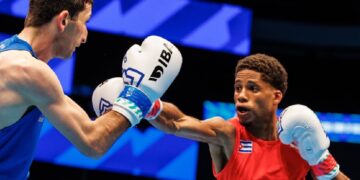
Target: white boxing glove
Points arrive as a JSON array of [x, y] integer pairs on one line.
[[152, 67], [299, 125], [106, 93], [148, 71]]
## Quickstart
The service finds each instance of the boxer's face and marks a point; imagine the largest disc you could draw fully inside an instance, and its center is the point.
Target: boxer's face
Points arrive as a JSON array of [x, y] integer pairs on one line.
[[255, 100], [75, 33]]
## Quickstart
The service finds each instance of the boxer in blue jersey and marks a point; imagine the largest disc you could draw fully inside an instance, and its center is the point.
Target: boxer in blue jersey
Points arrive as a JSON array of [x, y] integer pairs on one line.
[[30, 90]]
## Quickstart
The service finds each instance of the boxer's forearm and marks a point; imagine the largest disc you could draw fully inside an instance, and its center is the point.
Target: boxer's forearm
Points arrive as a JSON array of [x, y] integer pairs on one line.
[[341, 176], [166, 121]]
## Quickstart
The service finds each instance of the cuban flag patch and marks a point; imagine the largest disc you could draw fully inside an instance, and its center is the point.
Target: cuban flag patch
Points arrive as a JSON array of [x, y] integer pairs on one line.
[[246, 146]]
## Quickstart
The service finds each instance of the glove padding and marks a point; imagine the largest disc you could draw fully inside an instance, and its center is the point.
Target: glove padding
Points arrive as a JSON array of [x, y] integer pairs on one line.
[[152, 67], [148, 71], [106, 93], [300, 126]]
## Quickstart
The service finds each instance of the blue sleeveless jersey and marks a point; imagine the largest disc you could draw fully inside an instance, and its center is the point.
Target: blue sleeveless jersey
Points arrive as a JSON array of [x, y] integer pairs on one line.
[[18, 141]]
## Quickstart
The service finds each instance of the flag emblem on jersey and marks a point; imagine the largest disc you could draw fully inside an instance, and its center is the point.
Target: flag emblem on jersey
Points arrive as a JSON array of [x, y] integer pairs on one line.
[[246, 146]]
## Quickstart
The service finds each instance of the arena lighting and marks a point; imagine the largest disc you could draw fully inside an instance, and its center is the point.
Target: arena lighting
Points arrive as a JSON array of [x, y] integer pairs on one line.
[[339, 127], [64, 69], [212, 26]]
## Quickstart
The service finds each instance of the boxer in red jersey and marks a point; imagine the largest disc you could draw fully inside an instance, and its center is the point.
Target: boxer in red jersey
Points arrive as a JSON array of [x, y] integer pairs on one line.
[[247, 146]]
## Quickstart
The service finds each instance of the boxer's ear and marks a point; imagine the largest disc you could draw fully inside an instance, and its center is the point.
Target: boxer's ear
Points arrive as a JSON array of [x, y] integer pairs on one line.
[[62, 20]]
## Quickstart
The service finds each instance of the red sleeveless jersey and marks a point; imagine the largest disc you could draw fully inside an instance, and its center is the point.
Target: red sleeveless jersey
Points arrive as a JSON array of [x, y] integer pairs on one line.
[[253, 158]]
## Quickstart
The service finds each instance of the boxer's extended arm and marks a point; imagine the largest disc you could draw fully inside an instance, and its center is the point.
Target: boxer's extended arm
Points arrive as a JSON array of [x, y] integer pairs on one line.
[[146, 79], [172, 120], [40, 87], [214, 130]]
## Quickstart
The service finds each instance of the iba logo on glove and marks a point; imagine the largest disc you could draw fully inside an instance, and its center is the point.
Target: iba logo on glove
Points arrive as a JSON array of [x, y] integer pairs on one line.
[[164, 60]]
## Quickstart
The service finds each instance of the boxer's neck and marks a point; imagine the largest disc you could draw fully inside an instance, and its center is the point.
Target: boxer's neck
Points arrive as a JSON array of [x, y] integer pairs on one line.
[[266, 130], [41, 41]]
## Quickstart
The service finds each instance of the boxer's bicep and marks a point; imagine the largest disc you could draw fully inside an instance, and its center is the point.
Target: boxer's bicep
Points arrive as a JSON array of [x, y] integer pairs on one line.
[[72, 121], [38, 84], [92, 138], [40, 87]]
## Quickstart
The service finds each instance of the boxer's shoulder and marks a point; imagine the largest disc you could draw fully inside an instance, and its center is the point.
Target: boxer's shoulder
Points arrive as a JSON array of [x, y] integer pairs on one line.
[[26, 75], [15, 56]]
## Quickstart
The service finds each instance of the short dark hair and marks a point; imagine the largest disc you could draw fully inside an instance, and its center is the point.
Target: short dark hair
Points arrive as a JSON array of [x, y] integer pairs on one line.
[[272, 71], [42, 11]]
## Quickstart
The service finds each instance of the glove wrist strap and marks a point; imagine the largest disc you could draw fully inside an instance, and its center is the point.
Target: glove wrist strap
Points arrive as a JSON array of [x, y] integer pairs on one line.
[[135, 102], [327, 168], [155, 110]]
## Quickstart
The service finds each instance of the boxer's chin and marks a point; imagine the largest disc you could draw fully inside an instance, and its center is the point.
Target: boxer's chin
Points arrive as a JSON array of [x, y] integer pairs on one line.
[[245, 119]]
